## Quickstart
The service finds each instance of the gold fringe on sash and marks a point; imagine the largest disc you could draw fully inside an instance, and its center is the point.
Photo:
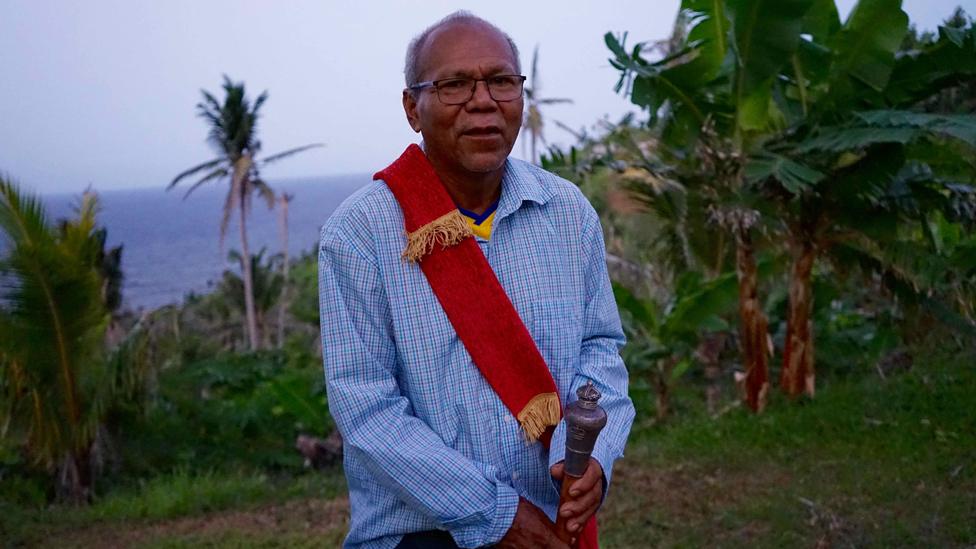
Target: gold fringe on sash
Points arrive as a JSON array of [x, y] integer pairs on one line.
[[541, 412], [447, 230]]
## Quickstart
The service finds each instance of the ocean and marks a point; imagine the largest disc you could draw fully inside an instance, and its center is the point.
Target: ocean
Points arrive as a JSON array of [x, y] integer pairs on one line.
[[171, 245]]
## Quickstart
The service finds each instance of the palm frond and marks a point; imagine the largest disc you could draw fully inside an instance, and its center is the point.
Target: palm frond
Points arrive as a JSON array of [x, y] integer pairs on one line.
[[258, 102], [54, 319], [553, 101], [195, 169], [535, 65], [265, 191], [216, 174], [22, 216], [285, 154]]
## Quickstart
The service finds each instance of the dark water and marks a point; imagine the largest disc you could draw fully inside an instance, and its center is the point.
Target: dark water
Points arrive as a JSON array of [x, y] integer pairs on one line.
[[171, 245]]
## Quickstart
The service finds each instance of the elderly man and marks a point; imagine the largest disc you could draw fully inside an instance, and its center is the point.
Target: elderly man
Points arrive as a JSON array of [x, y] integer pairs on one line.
[[464, 300]]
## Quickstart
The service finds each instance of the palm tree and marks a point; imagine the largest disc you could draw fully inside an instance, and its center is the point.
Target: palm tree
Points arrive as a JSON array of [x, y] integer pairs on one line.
[[533, 116], [233, 133], [55, 372], [268, 284]]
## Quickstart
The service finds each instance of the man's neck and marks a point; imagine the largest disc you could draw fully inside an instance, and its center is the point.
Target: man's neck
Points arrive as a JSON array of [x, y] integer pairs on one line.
[[472, 191]]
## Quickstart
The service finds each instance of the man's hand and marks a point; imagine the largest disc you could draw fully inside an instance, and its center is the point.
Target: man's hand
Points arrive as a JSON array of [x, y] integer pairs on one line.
[[530, 529], [586, 492]]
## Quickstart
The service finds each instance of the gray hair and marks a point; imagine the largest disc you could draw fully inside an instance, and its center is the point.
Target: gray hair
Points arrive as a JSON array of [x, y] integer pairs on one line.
[[411, 69]]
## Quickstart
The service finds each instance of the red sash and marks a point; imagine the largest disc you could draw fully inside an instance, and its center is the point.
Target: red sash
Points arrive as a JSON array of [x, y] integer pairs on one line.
[[440, 240]]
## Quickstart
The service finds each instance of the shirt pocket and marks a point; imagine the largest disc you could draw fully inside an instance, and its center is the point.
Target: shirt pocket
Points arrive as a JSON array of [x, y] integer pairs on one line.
[[556, 328]]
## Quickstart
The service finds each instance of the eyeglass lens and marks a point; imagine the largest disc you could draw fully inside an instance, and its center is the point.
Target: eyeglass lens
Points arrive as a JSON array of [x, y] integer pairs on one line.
[[455, 91]]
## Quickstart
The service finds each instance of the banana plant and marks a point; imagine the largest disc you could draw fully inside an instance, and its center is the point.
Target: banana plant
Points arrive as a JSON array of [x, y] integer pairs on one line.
[[806, 123], [858, 163], [671, 335], [712, 99]]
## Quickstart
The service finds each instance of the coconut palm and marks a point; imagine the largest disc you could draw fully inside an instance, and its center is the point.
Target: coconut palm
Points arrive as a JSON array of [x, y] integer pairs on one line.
[[233, 134], [268, 285], [533, 100]]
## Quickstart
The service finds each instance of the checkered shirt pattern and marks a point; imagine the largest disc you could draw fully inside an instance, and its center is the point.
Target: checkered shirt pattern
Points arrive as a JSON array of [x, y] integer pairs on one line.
[[428, 444]]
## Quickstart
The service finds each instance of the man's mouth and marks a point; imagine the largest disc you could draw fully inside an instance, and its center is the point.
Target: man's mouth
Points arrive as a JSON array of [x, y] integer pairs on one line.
[[482, 131]]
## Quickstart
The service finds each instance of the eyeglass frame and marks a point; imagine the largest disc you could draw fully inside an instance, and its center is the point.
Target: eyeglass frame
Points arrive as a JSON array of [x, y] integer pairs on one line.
[[474, 86]]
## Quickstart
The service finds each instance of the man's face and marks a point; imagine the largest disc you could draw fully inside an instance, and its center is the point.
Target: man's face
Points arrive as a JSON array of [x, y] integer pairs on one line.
[[476, 137]]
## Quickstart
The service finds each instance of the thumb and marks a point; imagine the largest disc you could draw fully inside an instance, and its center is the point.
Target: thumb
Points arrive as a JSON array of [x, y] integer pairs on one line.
[[557, 471]]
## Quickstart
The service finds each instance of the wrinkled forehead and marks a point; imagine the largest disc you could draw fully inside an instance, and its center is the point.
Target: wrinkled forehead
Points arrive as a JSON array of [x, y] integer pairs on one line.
[[459, 47]]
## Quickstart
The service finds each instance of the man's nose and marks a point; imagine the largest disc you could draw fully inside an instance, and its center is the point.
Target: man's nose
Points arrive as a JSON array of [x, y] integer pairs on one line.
[[481, 97]]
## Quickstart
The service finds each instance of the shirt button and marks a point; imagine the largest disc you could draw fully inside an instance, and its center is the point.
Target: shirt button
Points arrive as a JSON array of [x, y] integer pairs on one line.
[[508, 418]]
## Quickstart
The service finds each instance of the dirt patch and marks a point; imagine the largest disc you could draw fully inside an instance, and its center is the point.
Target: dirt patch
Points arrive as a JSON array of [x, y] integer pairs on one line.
[[310, 517], [648, 505]]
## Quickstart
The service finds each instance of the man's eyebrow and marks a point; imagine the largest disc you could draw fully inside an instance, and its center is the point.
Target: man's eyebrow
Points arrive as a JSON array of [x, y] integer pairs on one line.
[[458, 74], [463, 73]]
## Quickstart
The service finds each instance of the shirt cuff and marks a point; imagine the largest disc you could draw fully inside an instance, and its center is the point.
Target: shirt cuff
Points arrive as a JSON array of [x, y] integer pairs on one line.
[[506, 505]]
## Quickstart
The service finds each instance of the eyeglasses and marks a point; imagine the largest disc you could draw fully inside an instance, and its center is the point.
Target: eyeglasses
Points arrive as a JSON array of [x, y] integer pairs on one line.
[[457, 91]]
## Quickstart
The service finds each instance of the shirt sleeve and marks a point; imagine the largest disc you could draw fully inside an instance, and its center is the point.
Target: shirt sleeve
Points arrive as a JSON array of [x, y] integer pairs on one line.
[[376, 420], [600, 360]]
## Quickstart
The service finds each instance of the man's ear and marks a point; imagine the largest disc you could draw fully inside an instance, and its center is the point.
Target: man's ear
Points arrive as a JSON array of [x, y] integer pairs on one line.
[[410, 108]]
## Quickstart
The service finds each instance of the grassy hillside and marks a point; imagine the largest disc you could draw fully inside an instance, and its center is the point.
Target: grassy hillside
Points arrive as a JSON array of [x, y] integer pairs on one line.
[[870, 463]]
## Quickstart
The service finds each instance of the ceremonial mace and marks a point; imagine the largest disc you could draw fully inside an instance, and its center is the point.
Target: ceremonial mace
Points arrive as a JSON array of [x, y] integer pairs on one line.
[[584, 420]]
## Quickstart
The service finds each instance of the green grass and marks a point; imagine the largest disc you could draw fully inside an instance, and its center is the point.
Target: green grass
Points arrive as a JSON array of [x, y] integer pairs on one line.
[[295, 540], [868, 463], [180, 494], [166, 497]]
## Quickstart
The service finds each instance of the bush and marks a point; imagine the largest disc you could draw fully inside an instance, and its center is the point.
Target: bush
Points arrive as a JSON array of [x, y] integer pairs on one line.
[[235, 411]]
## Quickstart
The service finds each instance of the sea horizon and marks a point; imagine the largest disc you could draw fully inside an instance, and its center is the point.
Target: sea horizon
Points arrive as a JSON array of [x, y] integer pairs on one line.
[[171, 246]]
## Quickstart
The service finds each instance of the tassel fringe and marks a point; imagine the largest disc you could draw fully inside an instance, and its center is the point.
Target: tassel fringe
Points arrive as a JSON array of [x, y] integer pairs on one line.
[[447, 230], [540, 413]]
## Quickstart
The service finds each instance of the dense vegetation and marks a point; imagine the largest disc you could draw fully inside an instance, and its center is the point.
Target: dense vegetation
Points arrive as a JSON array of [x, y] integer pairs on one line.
[[795, 202]]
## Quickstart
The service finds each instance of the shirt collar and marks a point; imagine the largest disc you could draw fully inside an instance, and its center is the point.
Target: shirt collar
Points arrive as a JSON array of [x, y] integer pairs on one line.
[[519, 185]]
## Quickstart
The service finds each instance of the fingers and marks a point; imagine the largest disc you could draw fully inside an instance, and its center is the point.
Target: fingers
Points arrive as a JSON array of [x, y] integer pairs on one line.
[[586, 483], [587, 493], [580, 509]]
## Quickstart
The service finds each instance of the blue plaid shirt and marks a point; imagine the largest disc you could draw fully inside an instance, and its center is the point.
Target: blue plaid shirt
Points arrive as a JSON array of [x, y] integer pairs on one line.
[[428, 444]]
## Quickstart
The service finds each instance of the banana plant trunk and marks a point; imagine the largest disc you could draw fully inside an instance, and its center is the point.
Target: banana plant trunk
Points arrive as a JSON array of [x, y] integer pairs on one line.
[[74, 478], [797, 375], [753, 325], [252, 323], [663, 388]]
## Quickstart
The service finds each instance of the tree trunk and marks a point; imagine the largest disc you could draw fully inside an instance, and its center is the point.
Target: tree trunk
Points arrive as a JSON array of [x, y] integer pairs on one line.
[[662, 388], [709, 353], [753, 326], [283, 307], [797, 375], [74, 482], [252, 324]]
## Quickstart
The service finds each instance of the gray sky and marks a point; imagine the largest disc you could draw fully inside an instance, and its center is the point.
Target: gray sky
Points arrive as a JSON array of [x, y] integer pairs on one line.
[[103, 92]]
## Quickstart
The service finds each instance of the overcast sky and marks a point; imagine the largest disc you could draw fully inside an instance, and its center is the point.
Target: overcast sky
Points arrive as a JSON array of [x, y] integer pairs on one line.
[[103, 92]]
